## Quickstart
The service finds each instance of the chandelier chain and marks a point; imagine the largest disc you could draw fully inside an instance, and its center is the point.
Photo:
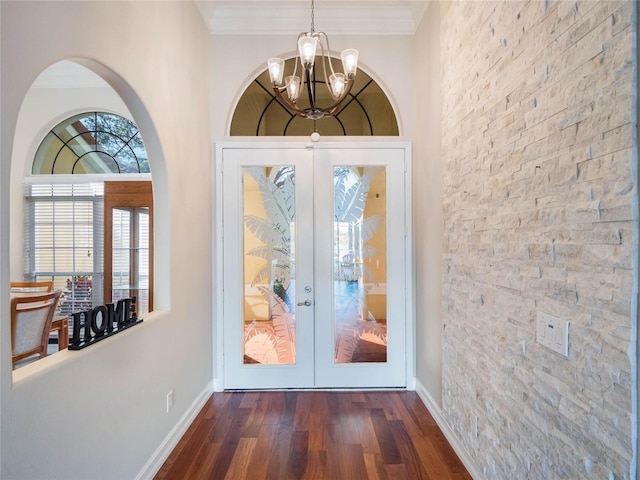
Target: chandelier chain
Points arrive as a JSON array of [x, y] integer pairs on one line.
[[313, 26]]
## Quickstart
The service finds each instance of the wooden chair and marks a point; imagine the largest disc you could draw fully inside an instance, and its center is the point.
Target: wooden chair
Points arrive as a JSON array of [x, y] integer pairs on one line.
[[59, 324], [18, 287], [31, 318]]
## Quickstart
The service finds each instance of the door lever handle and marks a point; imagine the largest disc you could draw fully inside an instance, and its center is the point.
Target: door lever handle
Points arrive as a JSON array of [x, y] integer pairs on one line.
[[306, 303]]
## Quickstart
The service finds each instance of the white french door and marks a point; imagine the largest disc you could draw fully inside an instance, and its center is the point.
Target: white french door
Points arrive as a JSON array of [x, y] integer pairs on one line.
[[314, 266]]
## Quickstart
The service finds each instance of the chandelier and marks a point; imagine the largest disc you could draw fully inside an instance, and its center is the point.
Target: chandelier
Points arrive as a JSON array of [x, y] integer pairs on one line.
[[338, 84]]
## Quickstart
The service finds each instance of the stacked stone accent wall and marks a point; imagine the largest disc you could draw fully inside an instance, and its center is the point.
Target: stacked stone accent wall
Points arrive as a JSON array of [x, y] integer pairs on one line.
[[539, 205]]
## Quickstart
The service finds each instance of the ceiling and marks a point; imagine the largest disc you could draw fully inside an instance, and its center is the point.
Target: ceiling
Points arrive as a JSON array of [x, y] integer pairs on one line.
[[351, 17]]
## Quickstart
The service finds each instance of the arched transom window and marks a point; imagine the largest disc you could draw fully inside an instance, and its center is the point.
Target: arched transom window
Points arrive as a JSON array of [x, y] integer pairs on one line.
[[93, 142], [366, 111]]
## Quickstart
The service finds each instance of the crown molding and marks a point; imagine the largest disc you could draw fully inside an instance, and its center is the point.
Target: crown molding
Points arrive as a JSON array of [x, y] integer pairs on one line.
[[287, 17]]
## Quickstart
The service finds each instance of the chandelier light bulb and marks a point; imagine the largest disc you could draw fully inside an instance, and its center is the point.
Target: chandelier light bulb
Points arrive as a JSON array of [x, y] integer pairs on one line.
[[337, 82], [307, 48], [349, 61], [276, 70], [293, 87]]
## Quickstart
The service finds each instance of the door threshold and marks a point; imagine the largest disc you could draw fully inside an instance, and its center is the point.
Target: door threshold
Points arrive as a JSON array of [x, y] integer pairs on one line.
[[316, 389]]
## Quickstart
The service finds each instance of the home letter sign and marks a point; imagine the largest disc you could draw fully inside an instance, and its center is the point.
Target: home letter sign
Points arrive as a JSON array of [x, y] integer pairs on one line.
[[91, 326]]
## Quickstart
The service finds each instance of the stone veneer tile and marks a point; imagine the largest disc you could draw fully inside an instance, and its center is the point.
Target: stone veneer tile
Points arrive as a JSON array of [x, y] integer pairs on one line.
[[539, 213]]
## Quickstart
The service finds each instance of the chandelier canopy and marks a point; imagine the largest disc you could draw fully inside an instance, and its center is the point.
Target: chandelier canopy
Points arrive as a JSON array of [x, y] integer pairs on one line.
[[338, 84]]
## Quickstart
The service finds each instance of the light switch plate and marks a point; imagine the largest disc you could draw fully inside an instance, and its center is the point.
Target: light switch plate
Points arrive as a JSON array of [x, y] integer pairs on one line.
[[553, 333]]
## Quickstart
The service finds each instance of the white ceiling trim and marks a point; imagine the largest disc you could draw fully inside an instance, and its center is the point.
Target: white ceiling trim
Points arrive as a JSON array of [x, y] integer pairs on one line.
[[355, 17]]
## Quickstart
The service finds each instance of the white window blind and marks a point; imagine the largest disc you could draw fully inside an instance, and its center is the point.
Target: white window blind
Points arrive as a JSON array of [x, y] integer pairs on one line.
[[64, 241]]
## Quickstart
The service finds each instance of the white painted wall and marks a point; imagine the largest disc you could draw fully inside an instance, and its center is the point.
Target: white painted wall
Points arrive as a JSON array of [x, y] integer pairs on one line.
[[427, 194], [100, 412]]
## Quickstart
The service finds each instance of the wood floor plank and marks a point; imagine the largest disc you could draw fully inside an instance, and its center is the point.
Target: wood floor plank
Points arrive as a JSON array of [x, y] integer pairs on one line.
[[375, 467], [274, 406], [316, 438], [333, 445], [388, 447], [430, 456], [261, 455], [357, 397], [279, 461], [351, 463], [194, 436], [250, 399], [256, 419], [410, 416], [289, 411], [179, 462], [302, 415], [319, 414], [229, 443], [313, 436], [367, 433], [398, 472], [316, 466], [222, 422], [417, 410], [349, 420], [410, 457], [298, 455], [239, 466], [451, 460], [202, 463]]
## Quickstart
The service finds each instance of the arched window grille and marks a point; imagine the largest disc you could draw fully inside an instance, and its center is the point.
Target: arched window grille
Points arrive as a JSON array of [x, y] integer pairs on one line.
[[366, 112], [92, 142]]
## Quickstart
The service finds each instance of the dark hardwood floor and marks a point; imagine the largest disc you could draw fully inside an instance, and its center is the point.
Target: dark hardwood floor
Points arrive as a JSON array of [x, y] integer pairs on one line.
[[313, 435]]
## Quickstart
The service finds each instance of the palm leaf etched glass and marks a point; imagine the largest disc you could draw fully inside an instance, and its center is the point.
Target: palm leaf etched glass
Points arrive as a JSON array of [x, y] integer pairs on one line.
[[269, 259], [360, 291]]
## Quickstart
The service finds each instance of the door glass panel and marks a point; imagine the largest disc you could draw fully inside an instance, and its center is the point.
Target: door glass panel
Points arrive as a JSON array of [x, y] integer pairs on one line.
[[130, 256], [268, 265], [142, 266], [360, 269], [121, 253]]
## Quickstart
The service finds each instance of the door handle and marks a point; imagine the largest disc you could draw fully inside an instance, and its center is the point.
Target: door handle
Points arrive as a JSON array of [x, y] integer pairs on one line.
[[306, 303]]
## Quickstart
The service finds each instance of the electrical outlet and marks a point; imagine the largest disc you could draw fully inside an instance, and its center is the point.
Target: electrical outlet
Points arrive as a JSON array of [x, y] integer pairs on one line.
[[169, 400], [553, 333]]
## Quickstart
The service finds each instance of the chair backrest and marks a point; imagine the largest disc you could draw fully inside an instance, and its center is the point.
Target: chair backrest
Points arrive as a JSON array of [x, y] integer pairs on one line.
[[19, 287], [31, 317]]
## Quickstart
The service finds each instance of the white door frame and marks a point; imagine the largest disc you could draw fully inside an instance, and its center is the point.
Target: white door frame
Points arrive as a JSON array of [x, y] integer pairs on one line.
[[297, 143]]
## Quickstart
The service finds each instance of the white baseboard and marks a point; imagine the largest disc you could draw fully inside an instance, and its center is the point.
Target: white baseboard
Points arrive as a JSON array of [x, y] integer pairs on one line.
[[158, 458], [217, 385], [454, 441]]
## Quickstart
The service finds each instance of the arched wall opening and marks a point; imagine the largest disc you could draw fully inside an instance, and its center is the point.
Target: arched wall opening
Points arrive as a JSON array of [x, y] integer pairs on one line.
[[65, 89]]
